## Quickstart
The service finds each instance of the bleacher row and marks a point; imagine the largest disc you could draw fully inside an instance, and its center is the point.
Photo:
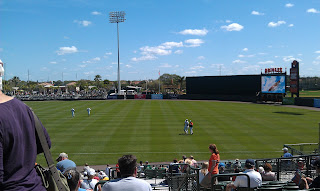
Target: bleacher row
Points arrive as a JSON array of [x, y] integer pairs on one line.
[[163, 177]]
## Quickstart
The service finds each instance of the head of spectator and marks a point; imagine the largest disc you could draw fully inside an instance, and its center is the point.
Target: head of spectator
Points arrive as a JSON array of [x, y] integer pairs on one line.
[[184, 157], [261, 170], [128, 166], [91, 173], [147, 162], [221, 166], [204, 168], [213, 149], [141, 163], [175, 160], [285, 149], [73, 179], [61, 157], [267, 167], [191, 157], [249, 164], [316, 164], [180, 161]]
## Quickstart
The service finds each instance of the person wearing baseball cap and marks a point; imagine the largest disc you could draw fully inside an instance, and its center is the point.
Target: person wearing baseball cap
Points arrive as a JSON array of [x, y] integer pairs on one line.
[[64, 163], [241, 181], [286, 154], [316, 182]]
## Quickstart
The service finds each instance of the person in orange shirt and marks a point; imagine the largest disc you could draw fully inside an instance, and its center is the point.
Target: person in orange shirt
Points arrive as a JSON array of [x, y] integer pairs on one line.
[[214, 160]]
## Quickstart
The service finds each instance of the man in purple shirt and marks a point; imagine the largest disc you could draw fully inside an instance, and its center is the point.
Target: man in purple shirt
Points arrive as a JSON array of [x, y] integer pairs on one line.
[[19, 146]]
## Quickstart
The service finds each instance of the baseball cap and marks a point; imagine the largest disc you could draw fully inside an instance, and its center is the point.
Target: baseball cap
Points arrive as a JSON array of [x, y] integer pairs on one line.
[[317, 163], [91, 172], [221, 164], [62, 155], [250, 162], [285, 149]]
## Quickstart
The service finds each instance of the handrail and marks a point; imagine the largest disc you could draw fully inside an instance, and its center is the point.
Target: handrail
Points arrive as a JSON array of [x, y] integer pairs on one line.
[[231, 174]]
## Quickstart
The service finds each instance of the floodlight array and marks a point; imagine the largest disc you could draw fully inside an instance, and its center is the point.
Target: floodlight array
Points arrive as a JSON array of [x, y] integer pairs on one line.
[[117, 17]]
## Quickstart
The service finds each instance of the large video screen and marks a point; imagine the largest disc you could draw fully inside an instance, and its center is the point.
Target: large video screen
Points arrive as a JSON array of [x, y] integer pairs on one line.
[[273, 84]]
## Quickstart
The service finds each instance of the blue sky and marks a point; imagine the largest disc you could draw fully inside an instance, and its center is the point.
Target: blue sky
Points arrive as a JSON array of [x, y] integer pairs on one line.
[[185, 37]]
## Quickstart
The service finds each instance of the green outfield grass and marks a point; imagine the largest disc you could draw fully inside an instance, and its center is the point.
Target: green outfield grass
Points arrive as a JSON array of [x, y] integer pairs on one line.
[[310, 93], [151, 129]]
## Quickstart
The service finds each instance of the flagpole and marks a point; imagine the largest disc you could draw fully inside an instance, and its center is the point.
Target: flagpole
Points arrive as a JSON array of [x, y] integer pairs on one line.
[[159, 81]]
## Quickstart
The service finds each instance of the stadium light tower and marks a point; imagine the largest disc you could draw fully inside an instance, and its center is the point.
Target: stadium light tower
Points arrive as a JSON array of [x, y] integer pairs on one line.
[[117, 17]]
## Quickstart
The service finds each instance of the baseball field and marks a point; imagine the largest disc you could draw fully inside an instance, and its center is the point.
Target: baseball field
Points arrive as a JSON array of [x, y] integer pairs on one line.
[[153, 129]]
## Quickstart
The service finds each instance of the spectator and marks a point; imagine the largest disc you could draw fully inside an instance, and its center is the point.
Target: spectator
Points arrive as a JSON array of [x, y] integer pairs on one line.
[[241, 181], [102, 175], [64, 163], [184, 157], [128, 182], [108, 171], [316, 182], [268, 175], [19, 145], [229, 165], [174, 168], [214, 159], [147, 165], [204, 171], [222, 168], [286, 154], [237, 164], [90, 183], [73, 179], [193, 161], [118, 170]]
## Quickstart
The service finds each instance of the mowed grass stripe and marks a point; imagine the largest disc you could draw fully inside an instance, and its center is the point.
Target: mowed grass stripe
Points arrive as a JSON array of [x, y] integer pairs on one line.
[[150, 129]]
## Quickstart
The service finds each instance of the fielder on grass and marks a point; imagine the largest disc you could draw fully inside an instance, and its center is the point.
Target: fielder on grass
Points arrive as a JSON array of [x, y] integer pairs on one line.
[[72, 112], [186, 125], [88, 110]]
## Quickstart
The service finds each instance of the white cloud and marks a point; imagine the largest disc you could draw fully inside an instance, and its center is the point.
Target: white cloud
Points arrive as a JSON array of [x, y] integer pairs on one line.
[[170, 45], [290, 59], [256, 13], [83, 23], [67, 50], [201, 57], [266, 62], [246, 56], [239, 62], [108, 53], [96, 13], [191, 72], [82, 65], [233, 27], [178, 52], [157, 50], [198, 32], [165, 65], [273, 24], [245, 49], [66, 37], [143, 58], [317, 52], [313, 10], [318, 58], [288, 5], [196, 67], [291, 25], [128, 66], [193, 42], [53, 62], [96, 59], [228, 21]]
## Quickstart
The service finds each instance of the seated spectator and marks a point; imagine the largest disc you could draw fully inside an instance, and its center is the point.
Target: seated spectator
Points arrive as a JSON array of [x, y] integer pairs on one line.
[[102, 175], [64, 163], [229, 165], [73, 179], [193, 161], [237, 164], [128, 180], [108, 171], [286, 154], [204, 171], [90, 183], [222, 168], [241, 181], [267, 175], [174, 168], [147, 166], [316, 182]]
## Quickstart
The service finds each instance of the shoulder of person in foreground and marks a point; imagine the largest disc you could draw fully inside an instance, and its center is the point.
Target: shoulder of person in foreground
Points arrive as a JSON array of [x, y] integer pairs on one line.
[[129, 183]]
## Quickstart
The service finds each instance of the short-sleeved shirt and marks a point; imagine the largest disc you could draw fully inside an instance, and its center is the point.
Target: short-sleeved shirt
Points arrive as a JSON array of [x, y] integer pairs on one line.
[[66, 165], [255, 179], [127, 184], [287, 155], [214, 157], [19, 147]]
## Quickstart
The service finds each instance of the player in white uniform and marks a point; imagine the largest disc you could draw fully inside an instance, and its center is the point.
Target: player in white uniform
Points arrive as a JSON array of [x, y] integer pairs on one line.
[[72, 112], [88, 110], [186, 124]]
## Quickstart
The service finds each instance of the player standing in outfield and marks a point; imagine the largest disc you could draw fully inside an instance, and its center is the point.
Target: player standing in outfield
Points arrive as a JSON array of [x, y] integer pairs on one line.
[[191, 127], [186, 124], [88, 110], [72, 112]]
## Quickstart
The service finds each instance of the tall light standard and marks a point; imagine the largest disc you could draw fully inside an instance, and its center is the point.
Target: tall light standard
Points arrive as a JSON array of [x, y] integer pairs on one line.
[[117, 17]]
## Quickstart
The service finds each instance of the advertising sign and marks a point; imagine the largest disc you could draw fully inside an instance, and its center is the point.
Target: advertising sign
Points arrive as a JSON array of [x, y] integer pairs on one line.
[[173, 96], [273, 84], [112, 97], [140, 96], [156, 96]]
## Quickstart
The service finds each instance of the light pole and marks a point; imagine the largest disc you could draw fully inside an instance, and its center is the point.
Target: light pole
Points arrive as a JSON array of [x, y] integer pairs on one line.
[[117, 17]]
